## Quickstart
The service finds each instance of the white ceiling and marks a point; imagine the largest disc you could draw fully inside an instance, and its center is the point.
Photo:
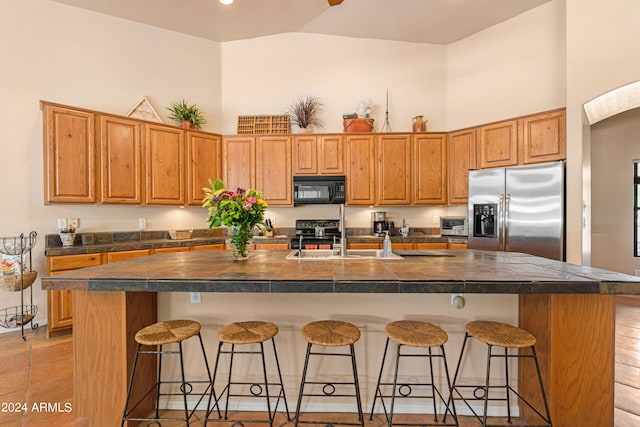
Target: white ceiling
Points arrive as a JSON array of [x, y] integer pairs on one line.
[[427, 21]]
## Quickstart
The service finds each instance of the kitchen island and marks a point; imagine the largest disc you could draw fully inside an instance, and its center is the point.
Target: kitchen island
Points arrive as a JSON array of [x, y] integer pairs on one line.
[[570, 309]]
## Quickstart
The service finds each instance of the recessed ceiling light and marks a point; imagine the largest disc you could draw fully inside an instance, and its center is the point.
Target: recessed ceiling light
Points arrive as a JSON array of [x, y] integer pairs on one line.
[[226, 1]]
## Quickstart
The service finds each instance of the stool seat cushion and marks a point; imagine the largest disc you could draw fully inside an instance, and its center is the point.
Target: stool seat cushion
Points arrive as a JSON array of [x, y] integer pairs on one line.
[[330, 333], [250, 332], [500, 334], [167, 332], [415, 333]]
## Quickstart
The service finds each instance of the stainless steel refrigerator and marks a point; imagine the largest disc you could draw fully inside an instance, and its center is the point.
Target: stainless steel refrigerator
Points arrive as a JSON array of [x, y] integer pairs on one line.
[[518, 209]]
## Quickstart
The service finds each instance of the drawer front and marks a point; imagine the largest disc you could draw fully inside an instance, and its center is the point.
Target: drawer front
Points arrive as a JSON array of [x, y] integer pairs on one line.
[[124, 255], [71, 262]]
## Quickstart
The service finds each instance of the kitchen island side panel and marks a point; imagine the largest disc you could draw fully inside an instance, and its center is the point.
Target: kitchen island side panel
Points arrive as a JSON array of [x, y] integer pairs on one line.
[[104, 350], [576, 350]]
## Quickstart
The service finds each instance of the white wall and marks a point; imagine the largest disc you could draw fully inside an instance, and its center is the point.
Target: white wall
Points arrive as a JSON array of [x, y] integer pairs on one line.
[[615, 144], [265, 75], [63, 54], [512, 69], [601, 43]]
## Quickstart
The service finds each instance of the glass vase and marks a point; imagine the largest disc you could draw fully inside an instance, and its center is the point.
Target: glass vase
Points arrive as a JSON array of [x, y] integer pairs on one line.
[[240, 240]]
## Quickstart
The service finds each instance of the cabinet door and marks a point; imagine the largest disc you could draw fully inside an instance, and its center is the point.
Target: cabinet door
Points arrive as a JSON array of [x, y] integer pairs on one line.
[[238, 162], [212, 247], [271, 246], [330, 155], [273, 169], [400, 245], [430, 169], [305, 155], [498, 144], [360, 169], [394, 169], [60, 311], [372, 245], [171, 250], [203, 163], [462, 157], [165, 165], [544, 137], [69, 155], [124, 255], [434, 245], [121, 161], [457, 246]]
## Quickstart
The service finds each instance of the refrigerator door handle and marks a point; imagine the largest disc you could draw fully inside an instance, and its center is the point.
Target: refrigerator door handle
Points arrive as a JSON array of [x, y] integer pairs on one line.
[[507, 197], [501, 222]]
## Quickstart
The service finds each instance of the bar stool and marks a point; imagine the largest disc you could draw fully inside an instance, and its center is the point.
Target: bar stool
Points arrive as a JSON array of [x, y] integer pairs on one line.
[[244, 333], [330, 333], [413, 333], [498, 334], [159, 335]]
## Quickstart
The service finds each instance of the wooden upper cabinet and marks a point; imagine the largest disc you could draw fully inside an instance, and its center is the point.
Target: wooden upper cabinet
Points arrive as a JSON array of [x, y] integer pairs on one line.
[[121, 161], [69, 155], [330, 155], [238, 161], [544, 137], [305, 155], [165, 174], [394, 169], [462, 157], [203, 163], [430, 169], [273, 169], [498, 144], [318, 155], [360, 166]]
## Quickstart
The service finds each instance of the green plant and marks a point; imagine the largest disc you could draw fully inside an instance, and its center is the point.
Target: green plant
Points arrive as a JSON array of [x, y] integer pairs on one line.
[[240, 210], [305, 112], [182, 111]]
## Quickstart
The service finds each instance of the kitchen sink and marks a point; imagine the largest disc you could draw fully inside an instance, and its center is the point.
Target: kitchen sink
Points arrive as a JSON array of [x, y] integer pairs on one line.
[[319, 254]]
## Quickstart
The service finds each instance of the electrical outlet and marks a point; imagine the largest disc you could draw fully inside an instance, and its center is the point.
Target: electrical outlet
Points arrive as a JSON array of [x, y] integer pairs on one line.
[[436, 219], [74, 222], [196, 298], [62, 223], [142, 223]]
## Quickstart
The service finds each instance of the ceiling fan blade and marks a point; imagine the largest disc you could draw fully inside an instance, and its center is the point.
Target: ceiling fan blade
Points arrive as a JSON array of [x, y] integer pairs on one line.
[[334, 2]]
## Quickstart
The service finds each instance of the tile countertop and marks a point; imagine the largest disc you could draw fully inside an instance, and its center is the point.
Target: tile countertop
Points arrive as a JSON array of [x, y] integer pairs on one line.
[[469, 271], [139, 240]]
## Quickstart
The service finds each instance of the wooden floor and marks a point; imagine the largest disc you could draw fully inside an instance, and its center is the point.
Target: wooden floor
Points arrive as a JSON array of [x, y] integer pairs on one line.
[[627, 386], [40, 373]]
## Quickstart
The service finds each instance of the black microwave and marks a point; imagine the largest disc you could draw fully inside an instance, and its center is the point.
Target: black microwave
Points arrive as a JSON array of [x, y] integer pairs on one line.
[[318, 190]]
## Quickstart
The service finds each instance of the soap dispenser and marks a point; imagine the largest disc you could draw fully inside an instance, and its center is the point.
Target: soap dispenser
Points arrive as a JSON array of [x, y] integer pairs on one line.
[[386, 245]]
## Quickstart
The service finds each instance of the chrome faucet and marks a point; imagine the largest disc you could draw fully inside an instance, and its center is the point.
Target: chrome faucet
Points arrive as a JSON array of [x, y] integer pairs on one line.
[[300, 247]]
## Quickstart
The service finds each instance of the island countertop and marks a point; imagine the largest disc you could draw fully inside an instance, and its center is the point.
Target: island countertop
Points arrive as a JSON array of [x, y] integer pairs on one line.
[[469, 271]]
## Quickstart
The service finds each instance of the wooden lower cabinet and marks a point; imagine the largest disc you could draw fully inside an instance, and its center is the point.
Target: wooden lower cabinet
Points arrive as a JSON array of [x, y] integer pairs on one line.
[[271, 246], [60, 303], [432, 245], [213, 247], [124, 255], [457, 246], [357, 245], [405, 246]]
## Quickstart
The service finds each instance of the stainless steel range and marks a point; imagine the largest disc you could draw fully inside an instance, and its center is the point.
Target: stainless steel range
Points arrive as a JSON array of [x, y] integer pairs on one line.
[[316, 234]]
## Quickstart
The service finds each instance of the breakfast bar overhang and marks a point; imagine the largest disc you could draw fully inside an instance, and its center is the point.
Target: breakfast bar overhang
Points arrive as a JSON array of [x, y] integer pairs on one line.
[[569, 308]]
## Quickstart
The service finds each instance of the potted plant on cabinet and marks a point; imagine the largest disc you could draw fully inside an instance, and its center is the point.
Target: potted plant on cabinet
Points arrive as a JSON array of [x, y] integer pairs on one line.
[[305, 113], [189, 116]]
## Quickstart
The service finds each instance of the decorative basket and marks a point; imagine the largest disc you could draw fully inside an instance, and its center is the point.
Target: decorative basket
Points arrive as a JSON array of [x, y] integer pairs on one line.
[[180, 234], [15, 316], [11, 282], [357, 125], [67, 239]]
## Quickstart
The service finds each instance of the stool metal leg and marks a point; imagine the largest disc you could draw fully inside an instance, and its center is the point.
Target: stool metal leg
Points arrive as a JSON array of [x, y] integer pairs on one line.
[[284, 397], [302, 381], [433, 388], [183, 386], [159, 380], [486, 391], [506, 379], [266, 386], [395, 386], [544, 396], [378, 390], [212, 394], [357, 384], [133, 371], [450, 388]]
